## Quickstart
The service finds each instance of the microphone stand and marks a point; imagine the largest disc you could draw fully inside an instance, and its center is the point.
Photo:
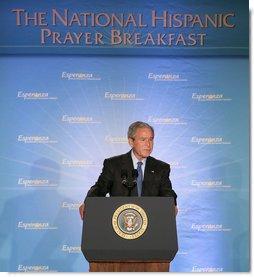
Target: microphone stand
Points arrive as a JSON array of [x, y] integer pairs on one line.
[[130, 187], [125, 182], [134, 181]]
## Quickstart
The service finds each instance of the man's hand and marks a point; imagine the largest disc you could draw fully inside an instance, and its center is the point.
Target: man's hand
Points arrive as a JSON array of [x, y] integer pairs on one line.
[[82, 211], [176, 210]]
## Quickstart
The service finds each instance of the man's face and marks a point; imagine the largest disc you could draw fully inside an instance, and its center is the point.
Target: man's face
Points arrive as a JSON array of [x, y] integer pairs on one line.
[[142, 144]]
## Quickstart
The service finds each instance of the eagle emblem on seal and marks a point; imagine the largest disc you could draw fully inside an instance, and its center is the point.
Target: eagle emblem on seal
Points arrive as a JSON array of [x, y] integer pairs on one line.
[[130, 221]]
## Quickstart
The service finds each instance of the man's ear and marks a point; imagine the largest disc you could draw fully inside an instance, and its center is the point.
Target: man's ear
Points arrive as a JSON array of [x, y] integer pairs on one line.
[[130, 140]]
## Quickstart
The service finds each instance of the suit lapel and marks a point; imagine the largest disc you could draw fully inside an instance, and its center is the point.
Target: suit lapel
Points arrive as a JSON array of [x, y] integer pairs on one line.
[[148, 176], [127, 163]]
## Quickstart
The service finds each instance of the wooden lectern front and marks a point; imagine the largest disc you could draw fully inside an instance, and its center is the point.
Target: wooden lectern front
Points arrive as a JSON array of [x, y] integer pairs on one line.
[[129, 234], [129, 266]]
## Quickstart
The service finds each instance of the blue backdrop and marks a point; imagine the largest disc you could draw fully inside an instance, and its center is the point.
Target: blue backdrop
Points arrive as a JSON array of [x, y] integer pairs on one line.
[[62, 115]]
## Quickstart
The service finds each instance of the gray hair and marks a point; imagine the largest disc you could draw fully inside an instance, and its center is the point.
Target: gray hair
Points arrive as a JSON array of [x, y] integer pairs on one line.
[[134, 126]]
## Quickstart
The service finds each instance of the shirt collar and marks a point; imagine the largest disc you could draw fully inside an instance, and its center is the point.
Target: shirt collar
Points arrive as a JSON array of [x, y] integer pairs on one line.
[[135, 160]]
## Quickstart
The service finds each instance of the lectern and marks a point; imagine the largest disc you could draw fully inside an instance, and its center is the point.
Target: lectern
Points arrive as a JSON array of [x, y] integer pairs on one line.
[[129, 233]]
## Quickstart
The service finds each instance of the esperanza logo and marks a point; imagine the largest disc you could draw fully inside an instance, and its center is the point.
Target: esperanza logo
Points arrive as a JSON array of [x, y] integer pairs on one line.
[[71, 249], [70, 206], [80, 76], [77, 163], [110, 139], [35, 96], [209, 97], [165, 77], [176, 164], [35, 139], [79, 119], [33, 268], [209, 228], [209, 140], [209, 184], [35, 226], [207, 269], [121, 96], [166, 120], [34, 182]]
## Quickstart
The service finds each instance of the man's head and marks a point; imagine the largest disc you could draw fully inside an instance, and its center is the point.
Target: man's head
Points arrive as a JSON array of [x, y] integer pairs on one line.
[[140, 138]]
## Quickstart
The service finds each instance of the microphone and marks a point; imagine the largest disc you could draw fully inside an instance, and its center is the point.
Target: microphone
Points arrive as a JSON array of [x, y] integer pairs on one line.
[[135, 176], [124, 176]]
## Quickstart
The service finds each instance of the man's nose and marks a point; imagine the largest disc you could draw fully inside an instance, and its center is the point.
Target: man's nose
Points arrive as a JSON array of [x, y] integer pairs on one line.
[[148, 143]]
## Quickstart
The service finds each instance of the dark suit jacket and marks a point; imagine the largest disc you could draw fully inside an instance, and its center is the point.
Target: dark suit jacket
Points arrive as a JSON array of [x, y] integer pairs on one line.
[[156, 180]]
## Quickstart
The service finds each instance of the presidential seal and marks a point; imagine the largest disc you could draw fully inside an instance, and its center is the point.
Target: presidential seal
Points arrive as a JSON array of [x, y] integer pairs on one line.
[[129, 221]]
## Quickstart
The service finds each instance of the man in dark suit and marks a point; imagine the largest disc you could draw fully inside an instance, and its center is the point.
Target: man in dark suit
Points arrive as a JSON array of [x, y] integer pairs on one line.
[[119, 177]]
